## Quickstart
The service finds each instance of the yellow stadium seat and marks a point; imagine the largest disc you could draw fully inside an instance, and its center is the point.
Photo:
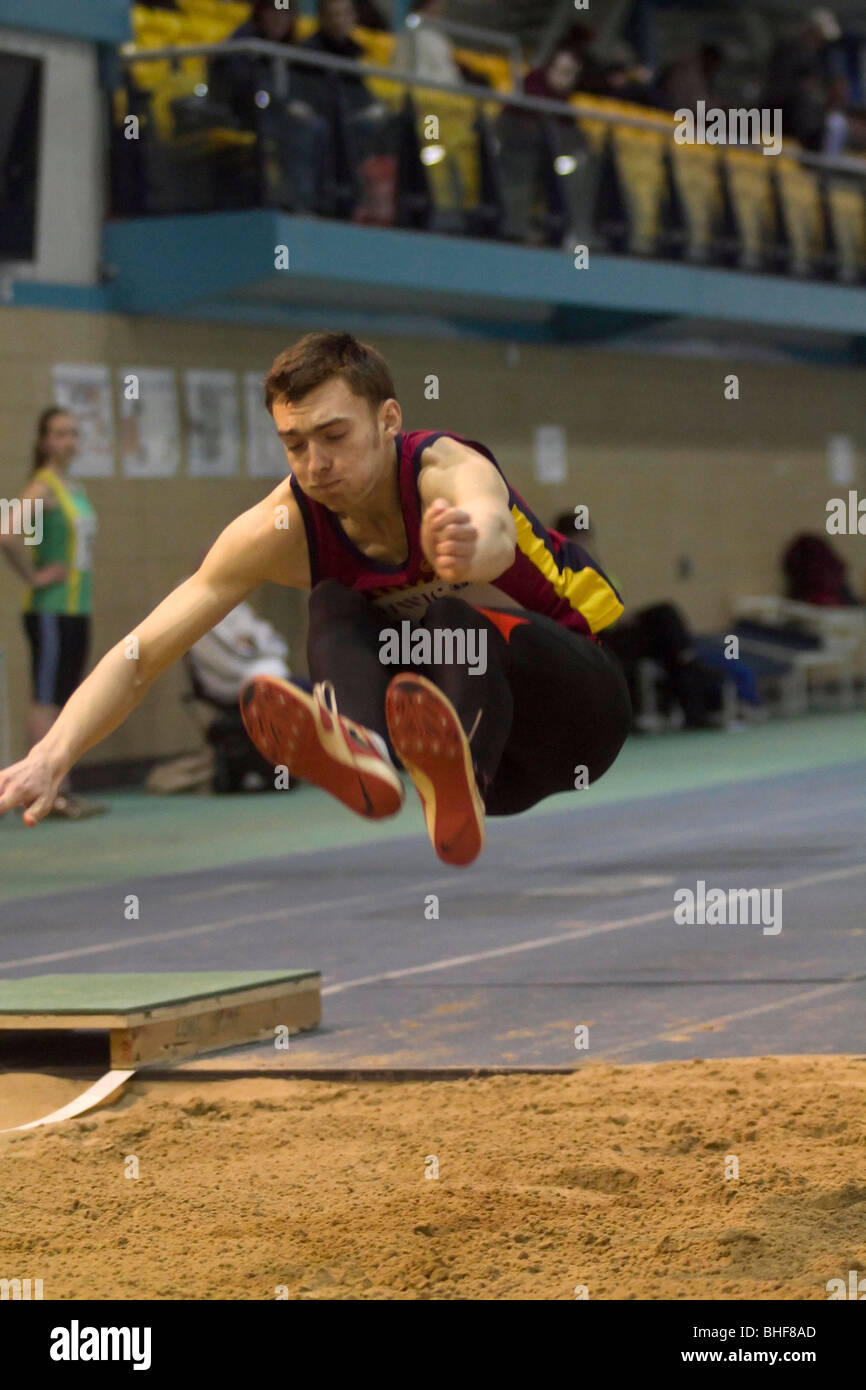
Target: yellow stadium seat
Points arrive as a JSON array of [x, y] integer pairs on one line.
[[494, 66], [802, 214], [751, 193], [229, 12], [595, 130], [204, 28], [696, 173], [149, 25], [847, 213], [639, 158], [378, 46], [454, 179]]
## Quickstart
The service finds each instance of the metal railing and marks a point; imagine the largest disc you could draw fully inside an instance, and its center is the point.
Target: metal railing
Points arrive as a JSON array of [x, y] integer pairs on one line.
[[287, 56]]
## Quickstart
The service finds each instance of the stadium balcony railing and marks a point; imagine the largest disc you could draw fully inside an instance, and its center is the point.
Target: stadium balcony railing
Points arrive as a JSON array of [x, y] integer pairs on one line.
[[468, 160]]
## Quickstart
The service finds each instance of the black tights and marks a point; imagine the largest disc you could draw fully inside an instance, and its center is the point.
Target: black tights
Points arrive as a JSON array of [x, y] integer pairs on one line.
[[552, 702]]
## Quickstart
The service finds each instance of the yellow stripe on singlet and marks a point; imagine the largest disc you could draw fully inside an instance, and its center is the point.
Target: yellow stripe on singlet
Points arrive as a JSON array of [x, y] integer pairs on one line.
[[67, 506], [586, 591]]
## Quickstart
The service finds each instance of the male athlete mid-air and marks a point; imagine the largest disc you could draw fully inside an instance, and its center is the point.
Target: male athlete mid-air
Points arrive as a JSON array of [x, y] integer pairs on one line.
[[415, 550]]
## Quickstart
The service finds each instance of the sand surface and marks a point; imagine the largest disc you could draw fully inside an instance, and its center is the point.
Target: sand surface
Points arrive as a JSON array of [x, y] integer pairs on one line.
[[612, 1178]]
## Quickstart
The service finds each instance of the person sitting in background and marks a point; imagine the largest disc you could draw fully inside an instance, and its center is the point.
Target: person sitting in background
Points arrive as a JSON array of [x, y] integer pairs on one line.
[[844, 125], [690, 79], [815, 574], [623, 78], [294, 138], [370, 16], [337, 19], [236, 78], [243, 645], [424, 51], [557, 80], [798, 76], [660, 633]]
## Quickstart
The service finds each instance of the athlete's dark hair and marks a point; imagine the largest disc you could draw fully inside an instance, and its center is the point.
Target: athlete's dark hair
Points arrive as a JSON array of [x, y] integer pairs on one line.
[[39, 451], [320, 356]]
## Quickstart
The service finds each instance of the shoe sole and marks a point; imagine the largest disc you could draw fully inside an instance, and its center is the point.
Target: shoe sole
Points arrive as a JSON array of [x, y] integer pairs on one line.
[[430, 742], [287, 727]]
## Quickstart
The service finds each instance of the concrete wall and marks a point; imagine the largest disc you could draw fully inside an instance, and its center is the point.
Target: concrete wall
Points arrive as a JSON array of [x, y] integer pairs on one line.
[[668, 467]]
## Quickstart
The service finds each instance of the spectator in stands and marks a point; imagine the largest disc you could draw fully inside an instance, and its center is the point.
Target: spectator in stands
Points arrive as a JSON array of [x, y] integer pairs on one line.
[[844, 126], [337, 19], [236, 78], [370, 16], [425, 51], [690, 79], [623, 78], [248, 86], [799, 75], [558, 79], [267, 22]]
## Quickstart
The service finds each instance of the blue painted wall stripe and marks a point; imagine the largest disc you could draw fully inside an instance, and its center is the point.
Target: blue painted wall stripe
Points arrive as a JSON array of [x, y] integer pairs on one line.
[[168, 263], [100, 21]]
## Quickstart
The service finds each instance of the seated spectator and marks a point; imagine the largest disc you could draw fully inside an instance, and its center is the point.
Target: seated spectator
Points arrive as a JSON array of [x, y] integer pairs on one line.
[[425, 51], [798, 77], [243, 645], [236, 78], [220, 663], [337, 19], [623, 78], [690, 79], [844, 126], [815, 574], [370, 16], [659, 633], [557, 80], [293, 139]]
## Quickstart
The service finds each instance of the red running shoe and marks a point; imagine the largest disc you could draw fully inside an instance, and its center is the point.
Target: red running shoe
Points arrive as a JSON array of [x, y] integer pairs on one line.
[[303, 731], [430, 742]]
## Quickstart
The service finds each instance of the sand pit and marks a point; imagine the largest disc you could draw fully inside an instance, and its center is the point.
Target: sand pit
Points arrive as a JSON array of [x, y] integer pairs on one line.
[[611, 1177]]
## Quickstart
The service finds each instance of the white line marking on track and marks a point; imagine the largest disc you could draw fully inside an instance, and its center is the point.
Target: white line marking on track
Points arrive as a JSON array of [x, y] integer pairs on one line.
[[711, 1023], [223, 891], [276, 915], [581, 929]]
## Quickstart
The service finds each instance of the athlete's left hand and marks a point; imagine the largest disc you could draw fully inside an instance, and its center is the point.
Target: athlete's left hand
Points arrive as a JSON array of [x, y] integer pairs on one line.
[[449, 539]]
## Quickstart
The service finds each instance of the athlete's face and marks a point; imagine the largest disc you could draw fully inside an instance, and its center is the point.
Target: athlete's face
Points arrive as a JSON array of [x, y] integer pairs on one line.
[[61, 439], [338, 447]]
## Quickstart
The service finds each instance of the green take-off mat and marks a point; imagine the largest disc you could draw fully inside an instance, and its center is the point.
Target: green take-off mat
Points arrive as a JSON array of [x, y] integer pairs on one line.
[[155, 1017]]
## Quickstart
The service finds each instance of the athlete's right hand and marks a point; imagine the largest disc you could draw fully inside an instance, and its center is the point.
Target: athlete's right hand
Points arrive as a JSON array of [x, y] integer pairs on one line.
[[31, 784], [49, 574]]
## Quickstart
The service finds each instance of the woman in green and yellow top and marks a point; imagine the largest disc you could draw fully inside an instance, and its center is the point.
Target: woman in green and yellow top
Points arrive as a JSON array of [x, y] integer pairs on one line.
[[55, 562]]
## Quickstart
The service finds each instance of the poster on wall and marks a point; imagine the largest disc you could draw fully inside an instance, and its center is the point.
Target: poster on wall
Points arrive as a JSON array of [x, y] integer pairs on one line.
[[266, 457], [841, 459], [550, 454], [213, 425], [84, 388], [149, 422]]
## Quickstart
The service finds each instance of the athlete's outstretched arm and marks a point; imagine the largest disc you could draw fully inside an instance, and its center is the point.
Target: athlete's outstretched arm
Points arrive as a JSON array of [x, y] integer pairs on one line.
[[250, 551], [468, 532]]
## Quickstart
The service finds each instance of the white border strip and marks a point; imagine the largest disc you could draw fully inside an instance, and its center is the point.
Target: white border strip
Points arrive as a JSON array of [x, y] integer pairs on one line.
[[101, 1091]]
